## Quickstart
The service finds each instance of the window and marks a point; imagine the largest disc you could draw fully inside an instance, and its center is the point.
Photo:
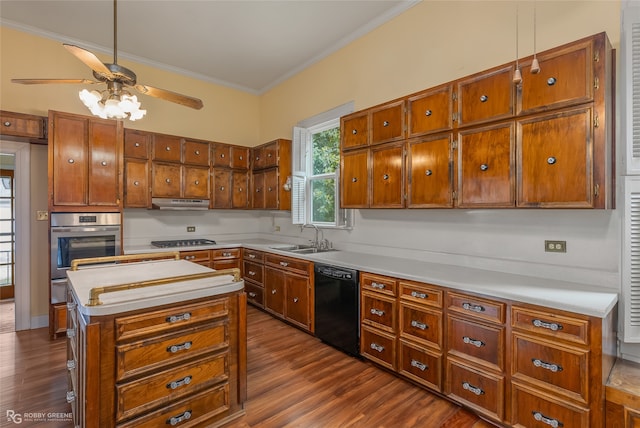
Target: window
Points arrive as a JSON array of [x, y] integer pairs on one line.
[[316, 167]]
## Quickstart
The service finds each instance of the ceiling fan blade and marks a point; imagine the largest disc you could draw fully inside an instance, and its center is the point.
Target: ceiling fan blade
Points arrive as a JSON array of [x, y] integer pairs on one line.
[[184, 100], [47, 81], [90, 60]]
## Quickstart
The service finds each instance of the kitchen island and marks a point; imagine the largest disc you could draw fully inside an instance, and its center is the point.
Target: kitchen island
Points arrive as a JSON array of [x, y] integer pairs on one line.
[[155, 343]]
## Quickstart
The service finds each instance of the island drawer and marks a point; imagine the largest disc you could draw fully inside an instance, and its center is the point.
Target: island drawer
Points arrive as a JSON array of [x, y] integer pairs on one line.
[[420, 364], [198, 410], [478, 389], [421, 324], [379, 347], [472, 340], [379, 284], [160, 388], [421, 294], [550, 324], [253, 255], [155, 322], [379, 311], [530, 408], [150, 354], [476, 307]]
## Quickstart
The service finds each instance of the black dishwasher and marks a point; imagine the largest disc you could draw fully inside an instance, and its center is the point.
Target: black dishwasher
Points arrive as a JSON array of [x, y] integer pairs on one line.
[[337, 307]]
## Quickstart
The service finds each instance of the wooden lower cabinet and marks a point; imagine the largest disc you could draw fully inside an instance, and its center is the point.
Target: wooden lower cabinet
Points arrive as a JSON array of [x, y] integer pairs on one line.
[[157, 366], [253, 274], [513, 363]]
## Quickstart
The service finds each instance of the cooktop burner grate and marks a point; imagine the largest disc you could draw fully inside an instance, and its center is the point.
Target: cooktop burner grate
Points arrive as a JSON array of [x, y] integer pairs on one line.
[[182, 243]]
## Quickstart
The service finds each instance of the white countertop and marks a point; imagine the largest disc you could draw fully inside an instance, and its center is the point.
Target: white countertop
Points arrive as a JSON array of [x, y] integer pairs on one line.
[[83, 280], [556, 294]]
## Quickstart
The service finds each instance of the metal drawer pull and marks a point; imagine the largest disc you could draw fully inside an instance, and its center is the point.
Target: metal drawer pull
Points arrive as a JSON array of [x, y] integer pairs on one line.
[[550, 325], [385, 123], [419, 295], [428, 113], [419, 365], [71, 396], [549, 366], [377, 312], [551, 81], [418, 324], [378, 286], [252, 294], [180, 382], [225, 254], [484, 167], [252, 256], [484, 98], [551, 160], [71, 332], [472, 307], [175, 420], [285, 264], [252, 273], [180, 317], [472, 389], [71, 364], [474, 342], [428, 172], [545, 420], [181, 347], [377, 347]]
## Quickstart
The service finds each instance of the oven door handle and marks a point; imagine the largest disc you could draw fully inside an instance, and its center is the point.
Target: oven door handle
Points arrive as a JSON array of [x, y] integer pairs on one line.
[[84, 229]]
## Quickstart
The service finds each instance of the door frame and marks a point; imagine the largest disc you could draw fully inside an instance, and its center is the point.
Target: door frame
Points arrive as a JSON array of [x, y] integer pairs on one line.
[[22, 281]]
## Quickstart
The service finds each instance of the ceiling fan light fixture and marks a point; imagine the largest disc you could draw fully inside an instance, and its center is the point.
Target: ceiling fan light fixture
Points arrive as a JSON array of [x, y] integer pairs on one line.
[[112, 105]]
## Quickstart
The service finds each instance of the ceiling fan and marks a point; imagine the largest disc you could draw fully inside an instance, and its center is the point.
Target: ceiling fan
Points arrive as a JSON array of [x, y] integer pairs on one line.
[[115, 101]]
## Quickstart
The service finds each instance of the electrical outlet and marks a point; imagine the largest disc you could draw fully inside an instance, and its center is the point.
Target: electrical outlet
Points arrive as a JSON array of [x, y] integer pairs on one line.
[[555, 246], [42, 215], [191, 228], [276, 228]]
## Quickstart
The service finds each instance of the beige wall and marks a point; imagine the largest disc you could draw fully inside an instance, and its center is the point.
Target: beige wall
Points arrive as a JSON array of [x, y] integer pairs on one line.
[[39, 247], [434, 42]]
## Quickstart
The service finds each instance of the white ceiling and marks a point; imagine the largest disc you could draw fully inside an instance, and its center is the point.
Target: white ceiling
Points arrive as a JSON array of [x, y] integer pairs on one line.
[[250, 45]]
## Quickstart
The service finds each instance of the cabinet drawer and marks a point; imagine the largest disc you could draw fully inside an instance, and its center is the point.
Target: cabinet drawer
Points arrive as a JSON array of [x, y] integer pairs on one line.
[[195, 256], [532, 409], [289, 264], [196, 153], [253, 255], [421, 293], [482, 343], [21, 125], [160, 388], [355, 131], [380, 284], [169, 319], [421, 365], [167, 148], [551, 324], [255, 294], [481, 391], [379, 347], [225, 253], [221, 155], [239, 157], [387, 123], [476, 307], [253, 272], [147, 355], [225, 264], [196, 410], [136, 144], [560, 369], [379, 311], [421, 324], [486, 96], [430, 111]]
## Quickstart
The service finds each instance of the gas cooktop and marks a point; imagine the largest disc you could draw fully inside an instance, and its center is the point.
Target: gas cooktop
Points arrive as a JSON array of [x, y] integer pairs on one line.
[[182, 243]]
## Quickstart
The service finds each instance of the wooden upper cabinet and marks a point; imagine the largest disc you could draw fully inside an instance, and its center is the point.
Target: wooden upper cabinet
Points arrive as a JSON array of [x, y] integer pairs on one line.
[[167, 148], [566, 77], [221, 154], [354, 179], [22, 125], [240, 189], [354, 130], [195, 182], [195, 153], [137, 144], [486, 96], [387, 176], [221, 188], [137, 193], [166, 180], [430, 172], [239, 157], [555, 160], [104, 168], [388, 122], [257, 198], [486, 169], [430, 111], [271, 189], [267, 155]]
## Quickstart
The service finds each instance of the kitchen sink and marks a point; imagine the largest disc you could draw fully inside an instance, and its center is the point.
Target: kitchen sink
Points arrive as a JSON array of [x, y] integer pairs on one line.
[[300, 249]]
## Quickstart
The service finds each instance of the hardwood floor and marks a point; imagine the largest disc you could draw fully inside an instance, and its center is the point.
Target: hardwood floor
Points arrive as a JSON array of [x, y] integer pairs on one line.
[[294, 380]]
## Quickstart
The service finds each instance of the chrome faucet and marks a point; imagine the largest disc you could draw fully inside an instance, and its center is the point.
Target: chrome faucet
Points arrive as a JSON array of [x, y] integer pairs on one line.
[[320, 244]]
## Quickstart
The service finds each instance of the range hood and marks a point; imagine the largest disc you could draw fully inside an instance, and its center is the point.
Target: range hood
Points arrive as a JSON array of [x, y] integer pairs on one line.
[[179, 204]]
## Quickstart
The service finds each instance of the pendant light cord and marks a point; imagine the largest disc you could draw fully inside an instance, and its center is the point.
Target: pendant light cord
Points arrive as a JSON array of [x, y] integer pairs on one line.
[[115, 31]]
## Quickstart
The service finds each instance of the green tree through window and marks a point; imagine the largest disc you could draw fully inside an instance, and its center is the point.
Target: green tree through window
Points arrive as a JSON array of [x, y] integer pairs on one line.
[[325, 159]]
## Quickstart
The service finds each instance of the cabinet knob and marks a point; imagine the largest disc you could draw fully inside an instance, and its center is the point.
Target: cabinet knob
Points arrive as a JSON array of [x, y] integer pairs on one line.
[[197, 152], [136, 183], [7, 123], [385, 123], [167, 180], [197, 182], [241, 157], [354, 131], [257, 158], [221, 188], [484, 98], [225, 254], [239, 189], [103, 163], [354, 180], [222, 155], [551, 160], [252, 294], [273, 291], [252, 273], [385, 177], [428, 172], [168, 148], [285, 264], [71, 161], [484, 167], [252, 256], [295, 300], [551, 81], [258, 190], [269, 189], [428, 113], [136, 145], [269, 155]]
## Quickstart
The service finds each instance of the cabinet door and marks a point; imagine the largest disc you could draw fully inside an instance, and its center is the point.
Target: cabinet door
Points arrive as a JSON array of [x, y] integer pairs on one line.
[[387, 177], [271, 189], [354, 130], [486, 176], [430, 111], [221, 194], [257, 190], [270, 154], [136, 144], [430, 172], [239, 192], [167, 148], [239, 157], [354, 179], [196, 182], [21, 125], [165, 180], [196, 153], [297, 303], [104, 155], [554, 160], [68, 153], [136, 176], [387, 123], [486, 96], [221, 155], [274, 289]]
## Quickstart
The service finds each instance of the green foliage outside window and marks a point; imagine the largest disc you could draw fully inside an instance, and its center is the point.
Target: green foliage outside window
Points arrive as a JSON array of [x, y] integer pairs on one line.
[[325, 160]]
